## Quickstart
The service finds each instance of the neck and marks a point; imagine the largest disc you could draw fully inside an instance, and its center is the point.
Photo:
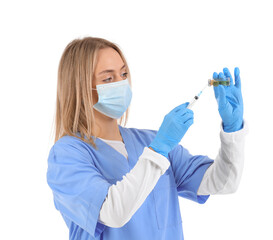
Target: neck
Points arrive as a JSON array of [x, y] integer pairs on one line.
[[106, 127]]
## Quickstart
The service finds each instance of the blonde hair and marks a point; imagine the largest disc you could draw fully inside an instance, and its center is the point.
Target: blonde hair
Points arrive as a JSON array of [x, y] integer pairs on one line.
[[74, 105]]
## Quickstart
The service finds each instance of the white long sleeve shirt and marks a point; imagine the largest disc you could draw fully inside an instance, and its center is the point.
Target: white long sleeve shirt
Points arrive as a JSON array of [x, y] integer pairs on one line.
[[126, 196]]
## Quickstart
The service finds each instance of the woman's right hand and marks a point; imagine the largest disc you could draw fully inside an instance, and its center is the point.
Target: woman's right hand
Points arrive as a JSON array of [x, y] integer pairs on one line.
[[173, 128]]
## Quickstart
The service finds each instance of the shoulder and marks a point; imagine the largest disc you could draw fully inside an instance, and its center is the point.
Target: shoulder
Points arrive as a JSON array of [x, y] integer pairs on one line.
[[140, 136], [69, 146], [142, 132], [72, 141]]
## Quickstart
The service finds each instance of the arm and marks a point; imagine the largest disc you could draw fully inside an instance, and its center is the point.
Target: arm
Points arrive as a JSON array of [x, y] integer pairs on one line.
[[188, 172], [125, 197], [80, 190], [224, 175]]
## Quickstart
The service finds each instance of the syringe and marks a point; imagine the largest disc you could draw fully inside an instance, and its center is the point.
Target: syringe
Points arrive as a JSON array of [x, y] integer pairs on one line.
[[196, 97], [211, 82]]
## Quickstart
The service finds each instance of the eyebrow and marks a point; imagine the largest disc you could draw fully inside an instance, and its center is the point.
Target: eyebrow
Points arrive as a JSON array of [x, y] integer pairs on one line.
[[110, 70]]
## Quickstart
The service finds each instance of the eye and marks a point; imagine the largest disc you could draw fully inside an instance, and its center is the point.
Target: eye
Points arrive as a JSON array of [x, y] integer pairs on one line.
[[125, 74], [107, 79]]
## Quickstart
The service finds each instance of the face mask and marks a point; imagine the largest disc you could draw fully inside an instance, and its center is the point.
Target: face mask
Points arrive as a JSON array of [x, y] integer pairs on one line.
[[114, 98]]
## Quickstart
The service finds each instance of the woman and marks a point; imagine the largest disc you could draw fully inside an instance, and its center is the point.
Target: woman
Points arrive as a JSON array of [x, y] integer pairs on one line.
[[113, 182]]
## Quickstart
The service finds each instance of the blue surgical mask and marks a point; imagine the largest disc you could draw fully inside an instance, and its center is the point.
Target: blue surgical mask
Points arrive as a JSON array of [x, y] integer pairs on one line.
[[114, 98]]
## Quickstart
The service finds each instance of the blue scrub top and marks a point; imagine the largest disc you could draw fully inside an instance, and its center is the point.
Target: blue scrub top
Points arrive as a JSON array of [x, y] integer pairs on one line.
[[79, 177]]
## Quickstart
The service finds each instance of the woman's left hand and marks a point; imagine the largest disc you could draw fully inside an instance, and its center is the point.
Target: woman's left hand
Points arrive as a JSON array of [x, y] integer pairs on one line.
[[230, 101]]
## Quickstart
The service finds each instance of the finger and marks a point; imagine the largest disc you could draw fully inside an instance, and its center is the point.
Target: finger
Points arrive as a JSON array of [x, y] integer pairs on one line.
[[216, 91], [222, 76], [227, 74], [215, 75], [181, 106], [182, 119], [185, 117], [237, 77], [189, 122], [187, 110], [221, 99], [187, 113]]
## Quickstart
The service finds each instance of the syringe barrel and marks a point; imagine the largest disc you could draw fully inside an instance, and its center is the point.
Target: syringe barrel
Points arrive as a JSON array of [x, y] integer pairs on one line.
[[192, 102]]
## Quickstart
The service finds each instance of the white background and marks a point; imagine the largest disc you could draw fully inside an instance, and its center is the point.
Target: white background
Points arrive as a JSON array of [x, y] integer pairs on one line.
[[172, 48]]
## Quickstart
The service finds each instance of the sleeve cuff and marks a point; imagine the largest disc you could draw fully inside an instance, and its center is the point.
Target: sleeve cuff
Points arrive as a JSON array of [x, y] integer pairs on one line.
[[231, 137], [157, 158], [94, 226]]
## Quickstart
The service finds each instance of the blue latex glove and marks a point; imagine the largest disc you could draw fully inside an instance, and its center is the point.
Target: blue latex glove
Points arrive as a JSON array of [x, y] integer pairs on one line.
[[230, 101], [172, 129]]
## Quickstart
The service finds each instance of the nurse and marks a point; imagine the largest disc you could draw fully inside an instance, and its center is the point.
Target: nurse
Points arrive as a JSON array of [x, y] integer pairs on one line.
[[111, 182]]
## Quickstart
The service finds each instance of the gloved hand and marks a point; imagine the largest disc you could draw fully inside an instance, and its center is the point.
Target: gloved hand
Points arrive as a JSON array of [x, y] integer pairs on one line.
[[172, 129], [230, 101]]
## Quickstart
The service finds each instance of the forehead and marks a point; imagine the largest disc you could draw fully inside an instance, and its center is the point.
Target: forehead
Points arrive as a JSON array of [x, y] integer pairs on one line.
[[108, 58]]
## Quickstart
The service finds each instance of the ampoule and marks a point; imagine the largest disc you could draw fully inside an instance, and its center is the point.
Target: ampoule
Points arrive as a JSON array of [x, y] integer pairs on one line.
[[220, 81]]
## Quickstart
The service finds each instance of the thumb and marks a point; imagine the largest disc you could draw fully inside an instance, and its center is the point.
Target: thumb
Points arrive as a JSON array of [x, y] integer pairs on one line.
[[186, 104], [221, 97], [179, 107]]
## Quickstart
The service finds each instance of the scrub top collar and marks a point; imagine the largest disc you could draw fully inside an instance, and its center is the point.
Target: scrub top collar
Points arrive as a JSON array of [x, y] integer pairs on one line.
[[129, 145]]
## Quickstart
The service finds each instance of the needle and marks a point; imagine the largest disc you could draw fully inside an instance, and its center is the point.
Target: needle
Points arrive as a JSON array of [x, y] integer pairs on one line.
[[196, 97]]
